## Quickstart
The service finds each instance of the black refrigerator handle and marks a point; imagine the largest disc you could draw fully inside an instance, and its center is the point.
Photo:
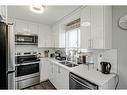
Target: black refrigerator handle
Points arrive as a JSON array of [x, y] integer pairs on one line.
[[8, 72]]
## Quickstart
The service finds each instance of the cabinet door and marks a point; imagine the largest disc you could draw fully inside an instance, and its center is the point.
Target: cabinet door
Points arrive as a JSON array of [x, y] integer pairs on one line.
[[85, 28], [55, 76], [55, 30], [21, 26], [51, 72], [63, 81], [62, 36], [33, 28], [44, 36], [41, 36], [108, 27], [43, 70], [58, 76], [97, 31]]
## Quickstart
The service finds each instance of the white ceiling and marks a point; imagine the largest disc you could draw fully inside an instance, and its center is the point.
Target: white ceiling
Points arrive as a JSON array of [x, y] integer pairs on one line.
[[51, 15]]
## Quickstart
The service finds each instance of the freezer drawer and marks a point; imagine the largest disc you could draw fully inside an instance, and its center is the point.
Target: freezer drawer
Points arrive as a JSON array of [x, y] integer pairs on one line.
[[27, 82]]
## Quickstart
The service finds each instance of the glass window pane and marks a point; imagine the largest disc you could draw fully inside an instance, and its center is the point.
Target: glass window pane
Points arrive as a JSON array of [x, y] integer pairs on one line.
[[73, 38]]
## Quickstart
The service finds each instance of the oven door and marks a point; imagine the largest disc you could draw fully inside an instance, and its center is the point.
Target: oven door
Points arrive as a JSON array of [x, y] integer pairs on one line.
[[77, 82], [27, 69], [26, 59]]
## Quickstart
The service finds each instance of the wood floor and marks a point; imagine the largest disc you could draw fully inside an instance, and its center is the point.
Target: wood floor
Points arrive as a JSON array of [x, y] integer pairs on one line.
[[42, 86]]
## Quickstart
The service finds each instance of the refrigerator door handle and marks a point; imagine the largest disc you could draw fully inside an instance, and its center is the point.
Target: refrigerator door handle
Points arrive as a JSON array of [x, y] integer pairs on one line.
[[8, 72]]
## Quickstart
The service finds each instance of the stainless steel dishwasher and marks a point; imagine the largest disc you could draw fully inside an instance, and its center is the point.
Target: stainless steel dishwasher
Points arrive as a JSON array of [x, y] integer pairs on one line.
[[77, 82]]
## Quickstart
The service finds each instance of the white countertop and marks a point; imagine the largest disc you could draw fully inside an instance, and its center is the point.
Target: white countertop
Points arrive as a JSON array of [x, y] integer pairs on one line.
[[90, 74]]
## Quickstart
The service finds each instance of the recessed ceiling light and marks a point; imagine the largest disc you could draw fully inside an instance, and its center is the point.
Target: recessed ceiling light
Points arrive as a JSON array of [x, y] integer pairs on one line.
[[37, 8]]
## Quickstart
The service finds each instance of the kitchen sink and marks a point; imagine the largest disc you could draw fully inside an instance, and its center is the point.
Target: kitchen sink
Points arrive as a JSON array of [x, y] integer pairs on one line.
[[69, 64]]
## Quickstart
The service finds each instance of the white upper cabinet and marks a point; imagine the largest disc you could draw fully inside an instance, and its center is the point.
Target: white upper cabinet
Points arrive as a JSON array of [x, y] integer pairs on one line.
[[45, 36], [96, 27], [55, 30], [85, 28], [20, 26], [62, 36], [41, 36], [25, 27], [33, 28], [58, 35]]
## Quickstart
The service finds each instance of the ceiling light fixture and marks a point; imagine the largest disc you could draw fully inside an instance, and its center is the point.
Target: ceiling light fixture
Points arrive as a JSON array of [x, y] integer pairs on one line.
[[37, 8]]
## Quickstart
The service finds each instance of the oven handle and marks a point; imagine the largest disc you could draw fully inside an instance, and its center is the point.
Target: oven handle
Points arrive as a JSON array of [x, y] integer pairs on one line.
[[81, 83], [28, 63]]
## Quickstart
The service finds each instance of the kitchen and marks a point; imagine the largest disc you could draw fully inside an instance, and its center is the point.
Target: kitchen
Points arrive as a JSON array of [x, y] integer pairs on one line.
[[64, 47]]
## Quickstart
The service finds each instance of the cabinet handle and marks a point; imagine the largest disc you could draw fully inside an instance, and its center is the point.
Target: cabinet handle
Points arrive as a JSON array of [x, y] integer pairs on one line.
[[52, 68], [89, 42], [59, 70]]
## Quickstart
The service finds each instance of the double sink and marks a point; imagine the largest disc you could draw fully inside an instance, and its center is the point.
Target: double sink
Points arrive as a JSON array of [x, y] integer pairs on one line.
[[68, 64]]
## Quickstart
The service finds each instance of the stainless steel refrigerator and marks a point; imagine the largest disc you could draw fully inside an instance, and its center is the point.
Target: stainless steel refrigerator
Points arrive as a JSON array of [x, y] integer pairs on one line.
[[7, 56]]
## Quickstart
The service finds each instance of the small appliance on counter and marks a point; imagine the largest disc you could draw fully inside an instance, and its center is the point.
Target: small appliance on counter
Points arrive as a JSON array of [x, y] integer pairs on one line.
[[105, 67], [46, 53], [82, 59], [85, 59], [52, 55], [59, 55]]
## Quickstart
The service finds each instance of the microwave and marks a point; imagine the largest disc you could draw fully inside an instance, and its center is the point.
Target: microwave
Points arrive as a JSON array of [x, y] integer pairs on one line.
[[21, 39]]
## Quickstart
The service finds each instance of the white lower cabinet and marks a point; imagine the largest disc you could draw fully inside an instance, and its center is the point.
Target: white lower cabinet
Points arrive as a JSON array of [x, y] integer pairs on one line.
[[63, 78], [44, 70], [57, 75], [111, 84], [51, 72]]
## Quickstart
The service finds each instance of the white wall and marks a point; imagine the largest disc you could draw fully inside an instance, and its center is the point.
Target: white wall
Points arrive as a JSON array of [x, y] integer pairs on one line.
[[120, 42]]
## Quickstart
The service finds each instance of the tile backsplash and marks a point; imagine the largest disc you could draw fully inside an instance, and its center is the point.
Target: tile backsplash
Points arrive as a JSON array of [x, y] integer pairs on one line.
[[26, 48], [32, 48], [104, 55], [109, 56]]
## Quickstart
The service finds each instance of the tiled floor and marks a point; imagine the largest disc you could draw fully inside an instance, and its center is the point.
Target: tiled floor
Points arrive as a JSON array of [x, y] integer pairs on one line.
[[44, 85]]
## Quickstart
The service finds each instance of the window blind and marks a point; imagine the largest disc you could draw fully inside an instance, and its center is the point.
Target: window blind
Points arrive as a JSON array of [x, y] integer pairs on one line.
[[72, 25]]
